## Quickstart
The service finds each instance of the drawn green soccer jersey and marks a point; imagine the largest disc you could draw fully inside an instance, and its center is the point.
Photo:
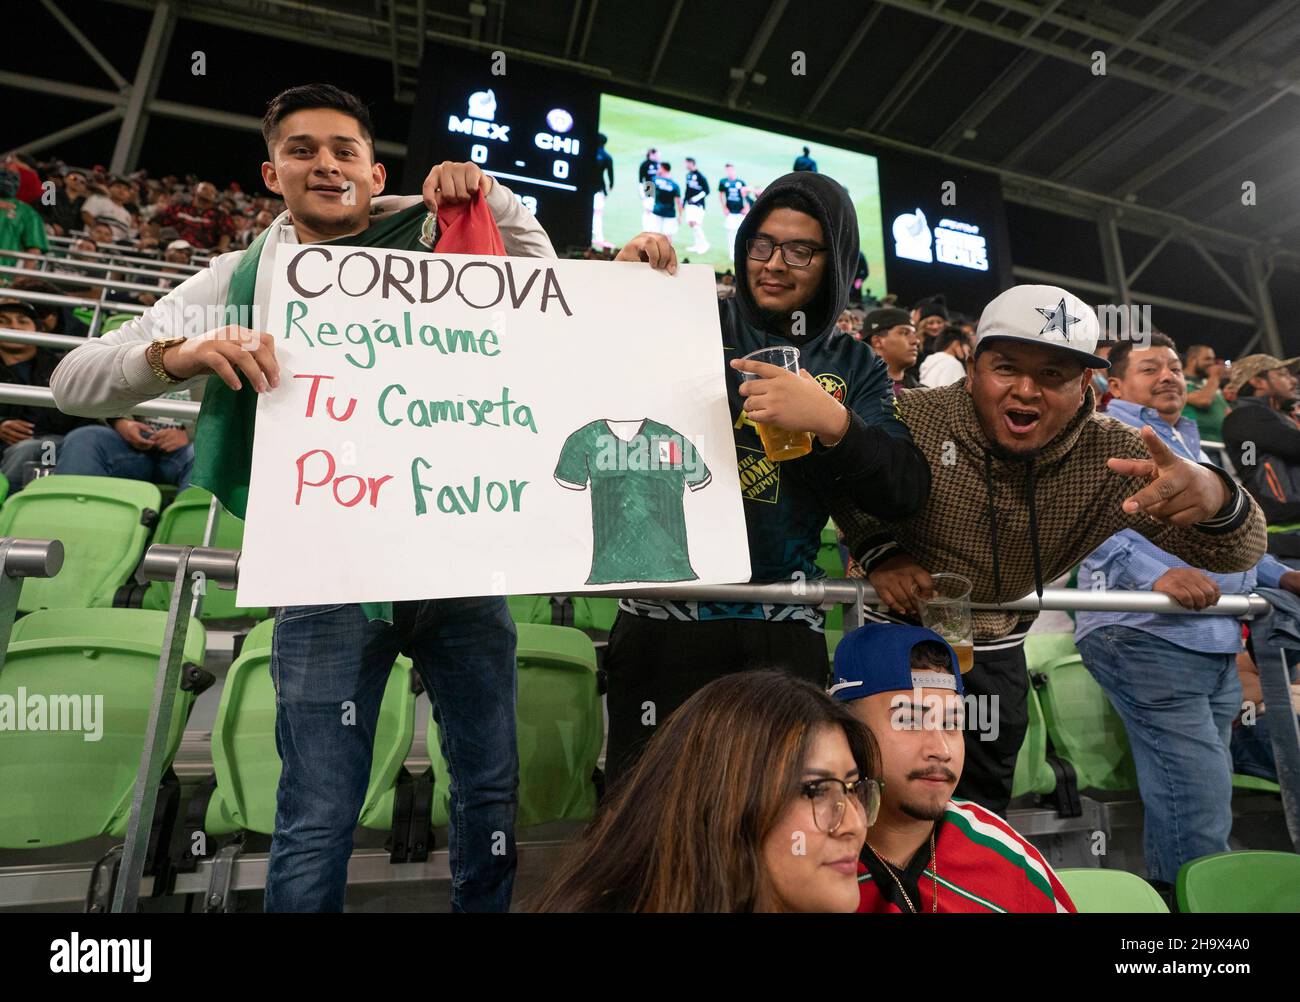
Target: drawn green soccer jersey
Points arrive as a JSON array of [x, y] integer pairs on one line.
[[637, 480]]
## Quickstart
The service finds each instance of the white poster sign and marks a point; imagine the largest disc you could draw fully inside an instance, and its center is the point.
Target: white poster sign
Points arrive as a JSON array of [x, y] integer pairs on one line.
[[452, 425]]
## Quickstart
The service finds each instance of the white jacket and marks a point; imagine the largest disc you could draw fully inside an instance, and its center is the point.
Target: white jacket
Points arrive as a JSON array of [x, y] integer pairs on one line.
[[108, 375]]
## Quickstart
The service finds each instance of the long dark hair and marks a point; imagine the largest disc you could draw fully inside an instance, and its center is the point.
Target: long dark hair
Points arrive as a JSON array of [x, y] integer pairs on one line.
[[685, 832]]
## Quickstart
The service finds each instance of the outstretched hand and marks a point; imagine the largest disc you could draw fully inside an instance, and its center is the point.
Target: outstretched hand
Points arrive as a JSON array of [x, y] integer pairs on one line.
[[1180, 492]]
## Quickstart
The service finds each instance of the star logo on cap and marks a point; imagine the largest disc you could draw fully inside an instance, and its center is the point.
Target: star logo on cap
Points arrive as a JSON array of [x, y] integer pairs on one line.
[[1058, 319]]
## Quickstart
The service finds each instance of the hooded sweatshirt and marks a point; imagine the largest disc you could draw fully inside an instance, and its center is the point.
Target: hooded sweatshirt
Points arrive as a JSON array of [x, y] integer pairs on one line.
[[874, 468], [1009, 525]]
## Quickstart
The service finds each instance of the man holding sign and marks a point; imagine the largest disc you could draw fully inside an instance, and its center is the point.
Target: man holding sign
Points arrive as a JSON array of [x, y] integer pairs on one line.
[[330, 663], [810, 437]]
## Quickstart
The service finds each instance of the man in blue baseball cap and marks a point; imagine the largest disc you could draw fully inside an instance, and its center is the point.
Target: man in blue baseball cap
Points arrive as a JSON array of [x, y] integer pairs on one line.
[[926, 851]]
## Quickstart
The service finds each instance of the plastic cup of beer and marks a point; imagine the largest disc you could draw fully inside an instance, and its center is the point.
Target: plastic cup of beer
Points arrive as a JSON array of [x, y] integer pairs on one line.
[[778, 443], [946, 611]]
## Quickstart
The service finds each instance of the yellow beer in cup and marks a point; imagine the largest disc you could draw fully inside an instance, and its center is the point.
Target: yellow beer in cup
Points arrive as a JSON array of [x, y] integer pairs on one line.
[[779, 444]]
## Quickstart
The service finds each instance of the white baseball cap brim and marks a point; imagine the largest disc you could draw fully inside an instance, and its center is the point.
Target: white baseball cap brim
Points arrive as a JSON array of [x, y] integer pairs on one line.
[[1044, 315]]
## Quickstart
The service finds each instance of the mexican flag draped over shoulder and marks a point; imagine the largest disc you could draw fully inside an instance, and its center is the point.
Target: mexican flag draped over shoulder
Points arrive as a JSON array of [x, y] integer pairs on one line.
[[223, 440]]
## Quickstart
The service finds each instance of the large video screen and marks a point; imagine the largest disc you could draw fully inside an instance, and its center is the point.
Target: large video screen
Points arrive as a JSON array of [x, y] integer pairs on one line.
[[531, 126], [757, 158], [947, 232]]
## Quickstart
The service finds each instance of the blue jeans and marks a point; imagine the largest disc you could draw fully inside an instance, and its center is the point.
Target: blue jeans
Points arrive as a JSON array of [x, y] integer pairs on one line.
[[1178, 706], [322, 656], [32, 450], [95, 450]]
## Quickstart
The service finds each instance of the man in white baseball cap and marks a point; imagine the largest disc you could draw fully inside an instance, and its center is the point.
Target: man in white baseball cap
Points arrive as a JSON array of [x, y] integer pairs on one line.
[[1027, 479]]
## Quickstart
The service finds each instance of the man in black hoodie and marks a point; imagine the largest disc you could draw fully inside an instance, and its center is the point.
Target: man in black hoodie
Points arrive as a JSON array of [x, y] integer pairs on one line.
[[796, 254]]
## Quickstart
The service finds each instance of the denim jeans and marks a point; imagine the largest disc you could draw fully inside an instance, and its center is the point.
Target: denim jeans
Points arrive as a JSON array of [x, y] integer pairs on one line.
[[1177, 706], [322, 656], [95, 450], [32, 450]]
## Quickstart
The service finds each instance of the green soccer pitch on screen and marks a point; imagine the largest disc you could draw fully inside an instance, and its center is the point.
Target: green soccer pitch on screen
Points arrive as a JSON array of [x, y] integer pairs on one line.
[[758, 158]]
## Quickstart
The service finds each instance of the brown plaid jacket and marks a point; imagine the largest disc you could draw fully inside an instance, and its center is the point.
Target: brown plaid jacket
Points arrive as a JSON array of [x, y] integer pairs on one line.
[[1076, 499]]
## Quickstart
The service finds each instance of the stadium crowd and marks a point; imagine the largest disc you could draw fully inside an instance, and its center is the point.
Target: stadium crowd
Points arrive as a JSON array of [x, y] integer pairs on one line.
[[1011, 448]]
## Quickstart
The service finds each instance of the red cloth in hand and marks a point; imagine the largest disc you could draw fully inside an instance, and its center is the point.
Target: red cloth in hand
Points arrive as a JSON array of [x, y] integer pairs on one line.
[[468, 228]]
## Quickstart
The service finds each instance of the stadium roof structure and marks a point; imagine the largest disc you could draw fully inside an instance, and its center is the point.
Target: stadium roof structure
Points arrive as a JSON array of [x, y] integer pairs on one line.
[[1188, 139]]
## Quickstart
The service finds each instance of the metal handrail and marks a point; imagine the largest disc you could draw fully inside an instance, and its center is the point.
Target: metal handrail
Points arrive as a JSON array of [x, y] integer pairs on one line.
[[42, 396], [58, 299], [58, 342], [105, 266], [82, 281], [65, 243], [838, 591]]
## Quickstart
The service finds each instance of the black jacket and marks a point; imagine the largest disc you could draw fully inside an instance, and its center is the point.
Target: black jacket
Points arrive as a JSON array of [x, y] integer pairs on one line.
[[1265, 447], [47, 420], [875, 467]]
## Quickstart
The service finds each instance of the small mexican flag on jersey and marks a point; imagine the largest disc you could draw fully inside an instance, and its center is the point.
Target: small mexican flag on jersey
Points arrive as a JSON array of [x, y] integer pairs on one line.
[[670, 452]]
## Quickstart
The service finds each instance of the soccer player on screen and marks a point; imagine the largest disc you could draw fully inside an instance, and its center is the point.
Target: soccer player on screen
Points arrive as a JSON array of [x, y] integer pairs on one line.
[[697, 200], [731, 193], [667, 202], [645, 176]]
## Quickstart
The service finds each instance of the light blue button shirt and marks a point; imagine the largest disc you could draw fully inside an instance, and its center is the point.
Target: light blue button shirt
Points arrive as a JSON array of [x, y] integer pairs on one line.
[[1128, 561]]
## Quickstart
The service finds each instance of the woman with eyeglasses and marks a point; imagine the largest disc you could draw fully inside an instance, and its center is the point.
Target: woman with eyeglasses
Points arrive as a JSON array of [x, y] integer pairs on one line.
[[754, 796]]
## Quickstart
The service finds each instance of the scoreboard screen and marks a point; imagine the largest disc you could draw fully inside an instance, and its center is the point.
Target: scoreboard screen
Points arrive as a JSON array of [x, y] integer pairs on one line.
[[530, 126]]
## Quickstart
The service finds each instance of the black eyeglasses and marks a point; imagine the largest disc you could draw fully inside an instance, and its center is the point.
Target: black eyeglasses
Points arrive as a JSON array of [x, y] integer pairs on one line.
[[830, 796], [795, 253]]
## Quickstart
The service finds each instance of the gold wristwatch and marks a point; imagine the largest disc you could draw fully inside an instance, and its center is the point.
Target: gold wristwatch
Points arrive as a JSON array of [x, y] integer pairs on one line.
[[154, 353]]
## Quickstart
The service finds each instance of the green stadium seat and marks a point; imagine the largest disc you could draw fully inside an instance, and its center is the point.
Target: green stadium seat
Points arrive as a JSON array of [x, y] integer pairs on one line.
[[833, 638], [1111, 891], [58, 786], [594, 613], [1240, 781], [259, 636], [1033, 774], [4, 487], [581, 612], [1084, 728], [103, 525], [530, 608], [182, 524], [830, 561], [560, 728], [247, 764], [1251, 881]]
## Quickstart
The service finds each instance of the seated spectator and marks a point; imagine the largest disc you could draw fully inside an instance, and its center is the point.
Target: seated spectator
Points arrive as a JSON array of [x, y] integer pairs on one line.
[[29, 179], [112, 211], [930, 317], [202, 222], [893, 337], [178, 253], [1171, 678], [845, 322], [64, 215], [753, 796], [21, 228], [947, 362], [1252, 744], [1262, 434], [84, 249], [103, 236], [1205, 403], [927, 852], [156, 449], [30, 434], [52, 318]]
